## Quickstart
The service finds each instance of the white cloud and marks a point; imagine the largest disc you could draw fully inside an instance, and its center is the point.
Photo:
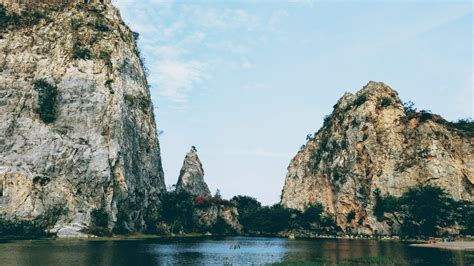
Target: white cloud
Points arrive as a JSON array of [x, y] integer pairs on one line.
[[175, 79], [247, 65]]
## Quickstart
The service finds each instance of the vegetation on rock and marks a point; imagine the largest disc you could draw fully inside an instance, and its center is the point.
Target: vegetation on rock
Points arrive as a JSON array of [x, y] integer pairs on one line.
[[19, 228], [425, 210], [47, 101]]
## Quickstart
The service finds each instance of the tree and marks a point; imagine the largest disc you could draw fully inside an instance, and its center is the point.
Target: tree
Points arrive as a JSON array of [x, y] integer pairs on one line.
[[311, 215], [420, 211], [177, 209], [247, 208]]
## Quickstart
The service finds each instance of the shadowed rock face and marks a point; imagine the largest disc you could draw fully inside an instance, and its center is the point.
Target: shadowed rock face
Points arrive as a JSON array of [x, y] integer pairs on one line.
[[191, 177], [101, 150], [370, 143]]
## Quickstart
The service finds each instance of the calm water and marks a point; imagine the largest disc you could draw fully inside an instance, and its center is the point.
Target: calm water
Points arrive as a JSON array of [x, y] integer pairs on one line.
[[209, 251]]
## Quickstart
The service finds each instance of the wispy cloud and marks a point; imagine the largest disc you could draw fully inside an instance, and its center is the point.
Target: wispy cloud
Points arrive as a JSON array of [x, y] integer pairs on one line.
[[175, 79], [172, 32]]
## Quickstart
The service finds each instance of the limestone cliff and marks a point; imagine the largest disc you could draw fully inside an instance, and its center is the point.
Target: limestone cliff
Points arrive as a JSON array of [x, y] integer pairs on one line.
[[191, 177], [371, 142], [77, 130]]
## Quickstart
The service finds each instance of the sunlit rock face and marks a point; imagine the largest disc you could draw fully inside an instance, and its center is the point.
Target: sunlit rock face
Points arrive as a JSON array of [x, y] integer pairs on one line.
[[191, 177], [369, 143], [100, 149]]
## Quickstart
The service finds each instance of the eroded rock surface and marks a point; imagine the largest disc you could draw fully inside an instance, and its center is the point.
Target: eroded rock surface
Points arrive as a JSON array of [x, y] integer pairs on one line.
[[101, 151], [191, 177], [369, 142]]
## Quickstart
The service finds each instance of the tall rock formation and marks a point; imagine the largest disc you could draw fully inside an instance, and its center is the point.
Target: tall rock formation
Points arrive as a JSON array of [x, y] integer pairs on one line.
[[77, 130], [371, 142], [191, 177]]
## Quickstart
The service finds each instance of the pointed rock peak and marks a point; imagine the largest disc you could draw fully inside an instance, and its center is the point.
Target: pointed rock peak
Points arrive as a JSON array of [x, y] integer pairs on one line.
[[378, 93], [191, 177], [378, 89]]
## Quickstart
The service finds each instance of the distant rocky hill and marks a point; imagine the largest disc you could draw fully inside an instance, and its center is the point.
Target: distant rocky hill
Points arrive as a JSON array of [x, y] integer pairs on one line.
[[371, 142], [77, 132]]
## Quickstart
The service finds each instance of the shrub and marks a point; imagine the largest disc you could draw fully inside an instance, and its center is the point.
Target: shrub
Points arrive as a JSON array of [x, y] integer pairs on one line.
[[120, 226], [425, 115], [221, 227], [140, 101], [47, 101], [177, 210], [350, 216], [203, 202], [75, 24], [31, 228], [360, 100], [99, 217], [105, 56], [466, 125], [80, 52], [386, 101], [420, 211], [136, 35], [327, 121], [311, 215], [409, 107], [100, 25], [27, 18]]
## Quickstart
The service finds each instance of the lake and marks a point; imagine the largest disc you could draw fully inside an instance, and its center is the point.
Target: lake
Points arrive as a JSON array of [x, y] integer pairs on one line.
[[226, 250]]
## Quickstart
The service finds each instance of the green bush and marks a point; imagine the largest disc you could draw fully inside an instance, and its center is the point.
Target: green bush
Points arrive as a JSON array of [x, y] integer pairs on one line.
[[177, 210], [421, 211], [221, 227], [100, 217], [350, 216], [386, 101], [425, 115], [15, 228], [47, 101], [465, 125], [75, 24], [136, 36], [360, 100], [105, 56], [27, 18], [312, 215], [80, 52], [139, 101], [100, 25]]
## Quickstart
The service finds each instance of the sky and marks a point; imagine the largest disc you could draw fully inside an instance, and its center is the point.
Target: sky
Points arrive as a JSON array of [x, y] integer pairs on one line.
[[246, 81]]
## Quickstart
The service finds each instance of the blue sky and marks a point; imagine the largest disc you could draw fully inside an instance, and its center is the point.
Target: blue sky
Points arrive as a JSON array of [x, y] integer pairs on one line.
[[246, 81]]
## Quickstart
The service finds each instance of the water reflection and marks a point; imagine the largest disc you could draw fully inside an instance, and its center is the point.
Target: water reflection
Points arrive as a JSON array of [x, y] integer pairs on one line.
[[204, 251]]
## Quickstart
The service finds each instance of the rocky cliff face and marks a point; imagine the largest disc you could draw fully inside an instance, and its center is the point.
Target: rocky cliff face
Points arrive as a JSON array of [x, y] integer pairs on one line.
[[191, 177], [77, 130], [370, 142]]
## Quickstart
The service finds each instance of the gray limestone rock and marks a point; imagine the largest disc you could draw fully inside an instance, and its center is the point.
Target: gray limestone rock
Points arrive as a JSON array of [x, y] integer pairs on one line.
[[369, 142], [191, 177], [100, 150]]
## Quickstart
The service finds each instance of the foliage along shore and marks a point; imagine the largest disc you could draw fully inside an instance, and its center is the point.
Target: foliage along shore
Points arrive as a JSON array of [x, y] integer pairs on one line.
[[422, 211]]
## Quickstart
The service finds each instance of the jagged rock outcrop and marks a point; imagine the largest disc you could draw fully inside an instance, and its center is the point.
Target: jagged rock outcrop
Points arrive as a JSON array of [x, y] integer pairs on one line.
[[191, 176], [219, 217], [77, 130], [369, 142]]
